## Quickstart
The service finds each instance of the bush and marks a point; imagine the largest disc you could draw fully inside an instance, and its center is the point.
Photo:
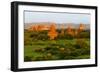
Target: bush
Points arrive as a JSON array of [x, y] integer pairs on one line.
[[81, 43]]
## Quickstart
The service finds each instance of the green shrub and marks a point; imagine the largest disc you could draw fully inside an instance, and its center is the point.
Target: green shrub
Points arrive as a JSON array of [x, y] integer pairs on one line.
[[81, 43]]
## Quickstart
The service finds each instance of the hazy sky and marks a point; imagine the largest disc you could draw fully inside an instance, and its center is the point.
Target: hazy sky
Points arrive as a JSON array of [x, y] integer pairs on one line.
[[32, 17]]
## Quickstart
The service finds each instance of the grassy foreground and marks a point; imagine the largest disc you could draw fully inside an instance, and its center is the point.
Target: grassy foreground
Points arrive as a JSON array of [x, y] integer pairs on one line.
[[61, 49]]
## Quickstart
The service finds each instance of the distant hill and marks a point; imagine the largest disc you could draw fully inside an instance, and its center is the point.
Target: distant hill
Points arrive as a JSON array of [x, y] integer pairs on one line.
[[58, 26]]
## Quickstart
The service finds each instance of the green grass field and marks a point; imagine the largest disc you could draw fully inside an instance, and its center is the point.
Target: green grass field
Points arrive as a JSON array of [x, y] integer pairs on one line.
[[60, 49]]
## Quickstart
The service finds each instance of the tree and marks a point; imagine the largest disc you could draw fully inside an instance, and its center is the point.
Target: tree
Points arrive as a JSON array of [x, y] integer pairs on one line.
[[52, 32]]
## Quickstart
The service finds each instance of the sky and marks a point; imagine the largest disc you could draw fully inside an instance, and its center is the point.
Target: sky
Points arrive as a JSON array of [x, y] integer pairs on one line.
[[57, 17]]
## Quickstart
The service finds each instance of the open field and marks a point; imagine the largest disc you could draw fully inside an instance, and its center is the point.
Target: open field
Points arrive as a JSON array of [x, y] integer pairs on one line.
[[38, 46]]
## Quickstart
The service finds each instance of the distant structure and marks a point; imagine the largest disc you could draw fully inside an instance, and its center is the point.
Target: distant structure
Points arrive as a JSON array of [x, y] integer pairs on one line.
[[52, 33], [70, 30], [52, 29], [81, 27], [37, 27], [62, 30]]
